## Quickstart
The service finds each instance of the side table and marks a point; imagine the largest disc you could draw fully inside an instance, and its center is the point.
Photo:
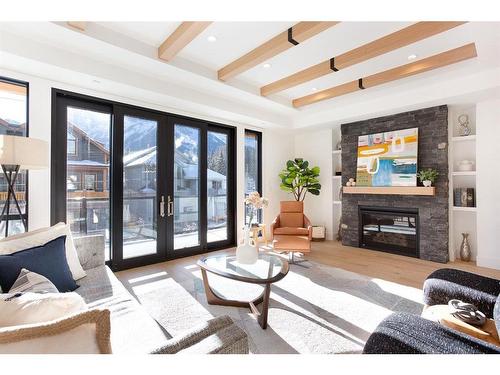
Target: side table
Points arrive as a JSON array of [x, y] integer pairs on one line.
[[441, 314], [254, 234]]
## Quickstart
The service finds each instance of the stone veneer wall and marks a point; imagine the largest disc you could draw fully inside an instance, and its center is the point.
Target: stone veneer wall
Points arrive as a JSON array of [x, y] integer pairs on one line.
[[432, 126]]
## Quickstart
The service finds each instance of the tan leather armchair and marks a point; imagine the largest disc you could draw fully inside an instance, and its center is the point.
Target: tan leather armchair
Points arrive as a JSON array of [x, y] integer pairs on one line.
[[291, 230]]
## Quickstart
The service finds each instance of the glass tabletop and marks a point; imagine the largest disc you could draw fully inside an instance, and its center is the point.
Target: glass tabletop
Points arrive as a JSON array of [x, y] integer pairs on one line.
[[268, 268]]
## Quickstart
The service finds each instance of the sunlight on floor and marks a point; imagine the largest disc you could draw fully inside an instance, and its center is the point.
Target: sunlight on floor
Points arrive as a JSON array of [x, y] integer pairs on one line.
[[408, 292], [146, 277]]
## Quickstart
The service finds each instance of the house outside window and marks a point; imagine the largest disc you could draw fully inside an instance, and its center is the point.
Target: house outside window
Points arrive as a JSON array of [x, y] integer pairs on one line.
[[90, 182], [71, 144]]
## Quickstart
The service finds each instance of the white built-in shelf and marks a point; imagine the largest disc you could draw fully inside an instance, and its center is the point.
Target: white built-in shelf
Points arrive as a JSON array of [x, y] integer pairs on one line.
[[337, 177], [337, 202], [465, 209], [336, 152], [464, 138], [464, 173]]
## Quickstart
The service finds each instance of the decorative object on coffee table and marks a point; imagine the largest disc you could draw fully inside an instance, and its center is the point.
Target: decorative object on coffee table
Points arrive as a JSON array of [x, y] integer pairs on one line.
[[246, 253], [428, 176], [268, 269], [465, 250], [442, 314], [463, 121], [466, 312]]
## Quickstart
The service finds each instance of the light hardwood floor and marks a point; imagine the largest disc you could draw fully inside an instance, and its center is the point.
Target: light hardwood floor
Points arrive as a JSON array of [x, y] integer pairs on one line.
[[399, 269], [396, 268]]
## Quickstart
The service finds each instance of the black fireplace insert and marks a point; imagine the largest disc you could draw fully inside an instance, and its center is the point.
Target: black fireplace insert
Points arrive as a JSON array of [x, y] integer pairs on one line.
[[393, 230]]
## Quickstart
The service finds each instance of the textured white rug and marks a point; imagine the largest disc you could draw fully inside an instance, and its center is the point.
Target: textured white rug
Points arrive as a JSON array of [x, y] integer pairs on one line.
[[319, 309]]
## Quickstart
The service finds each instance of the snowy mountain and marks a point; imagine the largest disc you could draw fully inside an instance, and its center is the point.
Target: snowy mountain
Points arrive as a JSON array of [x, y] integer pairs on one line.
[[140, 134]]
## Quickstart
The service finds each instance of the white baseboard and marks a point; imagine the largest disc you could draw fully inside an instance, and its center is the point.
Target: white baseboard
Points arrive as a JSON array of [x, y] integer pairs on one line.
[[488, 262]]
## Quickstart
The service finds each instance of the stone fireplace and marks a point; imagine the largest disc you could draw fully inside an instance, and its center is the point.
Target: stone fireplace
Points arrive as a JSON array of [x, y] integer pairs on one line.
[[429, 214]]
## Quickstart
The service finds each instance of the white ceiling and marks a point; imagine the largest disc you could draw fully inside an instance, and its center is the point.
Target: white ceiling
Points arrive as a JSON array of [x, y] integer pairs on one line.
[[133, 46]]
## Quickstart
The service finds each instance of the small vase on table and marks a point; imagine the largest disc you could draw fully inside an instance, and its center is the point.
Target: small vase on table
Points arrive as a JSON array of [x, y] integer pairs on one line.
[[246, 253]]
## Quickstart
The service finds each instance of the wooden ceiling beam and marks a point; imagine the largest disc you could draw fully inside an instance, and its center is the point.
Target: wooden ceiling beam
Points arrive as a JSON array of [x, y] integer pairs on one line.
[[280, 43], [80, 25], [180, 38], [391, 42], [453, 56]]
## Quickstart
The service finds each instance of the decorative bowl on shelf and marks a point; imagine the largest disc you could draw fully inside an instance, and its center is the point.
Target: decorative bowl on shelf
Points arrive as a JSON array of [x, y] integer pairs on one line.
[[466, 166]]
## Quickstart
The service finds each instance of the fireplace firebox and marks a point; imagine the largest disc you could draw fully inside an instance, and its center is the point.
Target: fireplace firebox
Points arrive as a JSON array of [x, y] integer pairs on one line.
[[393, 230]]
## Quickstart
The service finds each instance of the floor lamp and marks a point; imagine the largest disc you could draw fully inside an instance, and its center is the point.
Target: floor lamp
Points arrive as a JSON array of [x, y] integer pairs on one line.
[[16, 154]]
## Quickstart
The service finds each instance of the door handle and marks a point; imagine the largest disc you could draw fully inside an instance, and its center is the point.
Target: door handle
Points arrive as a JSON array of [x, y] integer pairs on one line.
[[170, 206], [162, 206]]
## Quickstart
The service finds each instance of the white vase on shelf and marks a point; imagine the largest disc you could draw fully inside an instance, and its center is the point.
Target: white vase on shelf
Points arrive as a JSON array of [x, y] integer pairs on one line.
[[246, 253], [427, 183]]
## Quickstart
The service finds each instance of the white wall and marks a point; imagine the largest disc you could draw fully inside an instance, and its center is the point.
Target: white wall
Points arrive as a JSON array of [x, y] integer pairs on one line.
[[316, 147], [488, 183], [277, 147]]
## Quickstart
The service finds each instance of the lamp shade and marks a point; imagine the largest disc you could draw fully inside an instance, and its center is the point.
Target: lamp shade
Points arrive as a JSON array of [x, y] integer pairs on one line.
[[28, 153]]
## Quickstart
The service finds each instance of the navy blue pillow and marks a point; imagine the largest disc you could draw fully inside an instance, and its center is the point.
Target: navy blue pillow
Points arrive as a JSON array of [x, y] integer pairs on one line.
[[48, 260]]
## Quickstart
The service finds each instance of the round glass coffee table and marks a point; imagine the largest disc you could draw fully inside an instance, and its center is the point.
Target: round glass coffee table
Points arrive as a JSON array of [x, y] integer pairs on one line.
[[268, 269]]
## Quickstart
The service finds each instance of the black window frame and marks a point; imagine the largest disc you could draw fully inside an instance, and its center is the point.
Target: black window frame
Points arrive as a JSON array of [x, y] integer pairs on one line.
[[59, 170], [258, 137], [25, 84]]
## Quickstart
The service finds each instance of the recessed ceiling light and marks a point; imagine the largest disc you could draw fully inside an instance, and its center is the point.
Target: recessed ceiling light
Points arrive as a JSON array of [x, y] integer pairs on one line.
[[266, 66], [314, 89], [412, 57], [212, 38]]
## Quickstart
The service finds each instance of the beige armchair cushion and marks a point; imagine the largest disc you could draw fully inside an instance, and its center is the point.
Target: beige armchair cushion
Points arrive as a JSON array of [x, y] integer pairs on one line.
[[291, 219], [292, 231], [291, 206], [292, 243]]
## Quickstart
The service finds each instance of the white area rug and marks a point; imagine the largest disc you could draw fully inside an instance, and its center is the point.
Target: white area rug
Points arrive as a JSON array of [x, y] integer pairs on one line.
[[319, 309]]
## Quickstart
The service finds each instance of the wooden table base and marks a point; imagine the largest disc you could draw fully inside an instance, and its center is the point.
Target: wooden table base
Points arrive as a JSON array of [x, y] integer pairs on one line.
[[214, 299]]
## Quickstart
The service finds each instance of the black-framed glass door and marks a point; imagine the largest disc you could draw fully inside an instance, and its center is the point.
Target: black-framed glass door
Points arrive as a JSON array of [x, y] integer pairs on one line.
[[186, 205], [139, 187], [157, 186]]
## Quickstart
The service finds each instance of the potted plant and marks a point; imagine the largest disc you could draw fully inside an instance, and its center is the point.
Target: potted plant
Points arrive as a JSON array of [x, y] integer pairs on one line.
[[427, 176], [297, 178]]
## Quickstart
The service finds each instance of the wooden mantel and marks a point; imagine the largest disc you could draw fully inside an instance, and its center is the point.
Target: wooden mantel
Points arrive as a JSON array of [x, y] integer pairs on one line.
[[390, 190]]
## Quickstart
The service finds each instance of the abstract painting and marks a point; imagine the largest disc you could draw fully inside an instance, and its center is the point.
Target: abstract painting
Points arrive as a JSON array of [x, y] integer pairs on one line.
[[388, 159]]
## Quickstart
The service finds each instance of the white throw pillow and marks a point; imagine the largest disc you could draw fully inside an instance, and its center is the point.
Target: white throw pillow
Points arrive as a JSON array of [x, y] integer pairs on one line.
[[28, 281], [39, 237], [28, 308], [83, 333]]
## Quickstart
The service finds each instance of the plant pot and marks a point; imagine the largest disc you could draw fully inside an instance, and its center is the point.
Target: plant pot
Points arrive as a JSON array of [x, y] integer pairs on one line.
[[427, 183], [246, 253]]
